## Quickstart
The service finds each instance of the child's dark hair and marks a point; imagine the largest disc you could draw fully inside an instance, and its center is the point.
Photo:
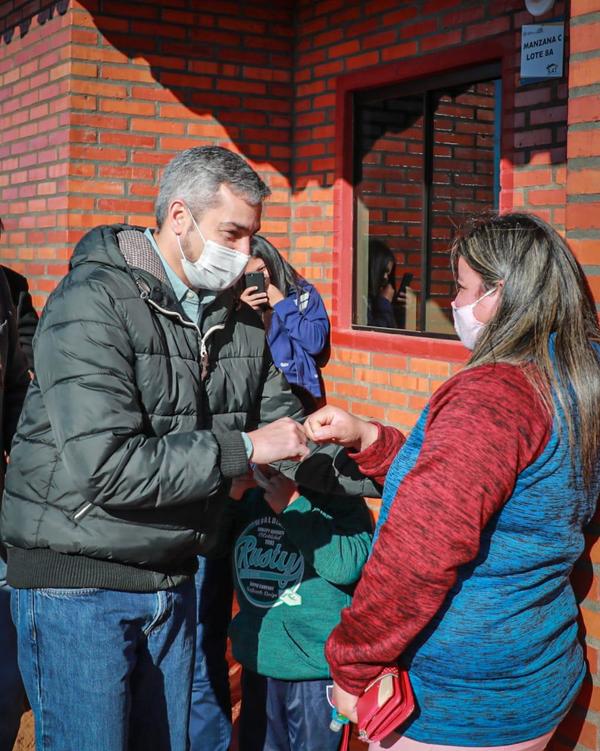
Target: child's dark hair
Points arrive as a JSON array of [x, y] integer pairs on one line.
[[283, 275]]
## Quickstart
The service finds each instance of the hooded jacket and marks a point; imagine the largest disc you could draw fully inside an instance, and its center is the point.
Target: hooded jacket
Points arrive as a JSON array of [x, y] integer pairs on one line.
[[132, 426], [298, 334]]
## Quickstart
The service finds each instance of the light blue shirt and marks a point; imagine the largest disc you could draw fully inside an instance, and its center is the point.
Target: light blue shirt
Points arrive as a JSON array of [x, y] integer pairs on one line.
[[193, 303]]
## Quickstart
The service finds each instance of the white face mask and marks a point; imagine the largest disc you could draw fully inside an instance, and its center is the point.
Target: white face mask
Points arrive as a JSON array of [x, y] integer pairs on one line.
[[467, 326], [218, 268]]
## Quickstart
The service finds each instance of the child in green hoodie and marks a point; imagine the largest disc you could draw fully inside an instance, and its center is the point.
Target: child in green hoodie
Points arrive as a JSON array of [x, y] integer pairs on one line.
[[297, 557]]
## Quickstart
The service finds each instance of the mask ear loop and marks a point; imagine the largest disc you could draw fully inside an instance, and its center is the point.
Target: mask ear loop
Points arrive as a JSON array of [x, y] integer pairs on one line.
[[486, 294], [479, 299], [180, 247], [195, 223]]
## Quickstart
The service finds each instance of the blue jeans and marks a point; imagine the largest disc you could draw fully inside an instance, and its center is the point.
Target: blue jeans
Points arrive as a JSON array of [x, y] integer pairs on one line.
[[107, 670], [285, 715], [12, 693], [210, 717]]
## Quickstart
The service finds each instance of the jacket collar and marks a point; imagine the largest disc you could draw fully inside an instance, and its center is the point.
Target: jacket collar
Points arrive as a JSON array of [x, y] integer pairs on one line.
[[151, 279]]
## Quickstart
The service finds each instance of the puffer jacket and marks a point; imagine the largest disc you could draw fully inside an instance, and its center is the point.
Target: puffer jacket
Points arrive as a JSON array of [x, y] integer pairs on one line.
[[131, 429]]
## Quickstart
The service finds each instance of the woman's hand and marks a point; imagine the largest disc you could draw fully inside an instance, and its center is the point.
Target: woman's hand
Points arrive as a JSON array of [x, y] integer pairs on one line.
[[345, 703], [280, 492], [255, 299], [274, 295], [334, 425]]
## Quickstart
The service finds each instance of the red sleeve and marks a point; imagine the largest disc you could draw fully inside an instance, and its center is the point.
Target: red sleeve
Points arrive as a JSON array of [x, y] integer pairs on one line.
[[376, 460], [484, 427]]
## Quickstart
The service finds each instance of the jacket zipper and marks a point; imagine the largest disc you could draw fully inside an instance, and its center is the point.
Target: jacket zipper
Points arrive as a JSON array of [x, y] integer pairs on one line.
[[84, 509]]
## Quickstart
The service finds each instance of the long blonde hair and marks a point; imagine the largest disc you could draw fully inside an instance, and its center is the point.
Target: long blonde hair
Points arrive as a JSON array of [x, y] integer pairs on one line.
[[545, 304]]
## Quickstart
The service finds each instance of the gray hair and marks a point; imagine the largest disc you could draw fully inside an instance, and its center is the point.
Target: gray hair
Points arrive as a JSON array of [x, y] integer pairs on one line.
[[196, 175]]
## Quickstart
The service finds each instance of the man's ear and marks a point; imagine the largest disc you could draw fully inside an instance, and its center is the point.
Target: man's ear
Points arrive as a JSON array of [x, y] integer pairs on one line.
[[178, 216]]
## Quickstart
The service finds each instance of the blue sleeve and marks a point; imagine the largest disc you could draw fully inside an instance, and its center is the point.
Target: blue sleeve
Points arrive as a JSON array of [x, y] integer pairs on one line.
[[308, 328], [382, 313]]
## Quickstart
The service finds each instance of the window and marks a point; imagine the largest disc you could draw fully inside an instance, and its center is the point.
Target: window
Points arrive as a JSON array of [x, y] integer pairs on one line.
[[426, 155]]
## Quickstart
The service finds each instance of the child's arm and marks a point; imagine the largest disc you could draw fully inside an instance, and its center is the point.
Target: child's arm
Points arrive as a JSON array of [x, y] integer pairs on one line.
[[239, 485], [335, 539]]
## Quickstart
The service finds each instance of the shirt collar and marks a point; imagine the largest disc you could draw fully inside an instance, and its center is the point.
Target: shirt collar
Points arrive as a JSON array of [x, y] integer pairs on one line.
[[179, 288]]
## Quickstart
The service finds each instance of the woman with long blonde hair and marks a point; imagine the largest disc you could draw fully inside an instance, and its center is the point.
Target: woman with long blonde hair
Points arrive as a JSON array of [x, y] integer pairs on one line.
[[483, 507]]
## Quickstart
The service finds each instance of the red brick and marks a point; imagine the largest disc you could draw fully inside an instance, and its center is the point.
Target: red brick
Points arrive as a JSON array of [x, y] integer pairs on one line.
[[398, 17], [584, 216], [344, 49], [457, 18], [536, 137], [338, 401], [583, 181], [584, 143], [153, 125], [584, 72], [546, 197], [594, 282], [489, 28], [584, 37], [381, 40], [414, 30], [95, 88], [526, 178], [399, 51], [429, 367], [548, 115], [403, 419], [583, 7], [362, 61], [533, 96], [351, 390], [584, 109], [331, 68], [587, 252], [327, 38], [357, 357], [441, 40]]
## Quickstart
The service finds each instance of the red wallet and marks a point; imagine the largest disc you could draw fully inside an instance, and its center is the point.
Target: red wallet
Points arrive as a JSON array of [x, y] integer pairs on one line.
[[385, 704]]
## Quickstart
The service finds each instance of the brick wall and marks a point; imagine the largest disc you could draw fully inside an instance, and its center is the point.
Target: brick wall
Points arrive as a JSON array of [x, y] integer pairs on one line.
[[340, 38], [34, 143], [96, 95], [94, 101]]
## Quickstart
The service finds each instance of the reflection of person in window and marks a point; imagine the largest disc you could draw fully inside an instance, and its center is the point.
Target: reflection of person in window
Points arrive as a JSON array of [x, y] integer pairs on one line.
[[385, 307]]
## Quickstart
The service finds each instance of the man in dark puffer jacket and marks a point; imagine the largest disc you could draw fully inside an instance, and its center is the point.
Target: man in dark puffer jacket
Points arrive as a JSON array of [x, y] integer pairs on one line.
[[152, 389]]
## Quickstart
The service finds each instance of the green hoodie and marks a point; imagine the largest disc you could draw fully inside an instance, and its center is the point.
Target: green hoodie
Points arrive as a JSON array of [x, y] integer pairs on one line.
[[293, 575]]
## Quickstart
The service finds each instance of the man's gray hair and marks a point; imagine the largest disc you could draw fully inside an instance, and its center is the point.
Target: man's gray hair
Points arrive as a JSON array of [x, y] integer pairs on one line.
[[196, 175]]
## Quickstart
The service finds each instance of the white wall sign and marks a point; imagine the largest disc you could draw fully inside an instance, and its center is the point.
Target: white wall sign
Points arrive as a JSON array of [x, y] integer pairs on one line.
[[542, 50]]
